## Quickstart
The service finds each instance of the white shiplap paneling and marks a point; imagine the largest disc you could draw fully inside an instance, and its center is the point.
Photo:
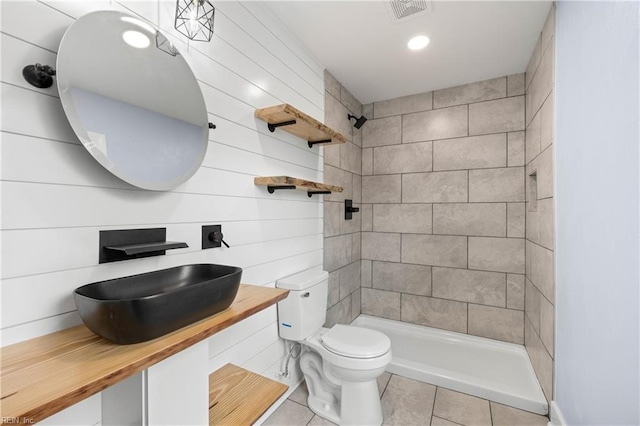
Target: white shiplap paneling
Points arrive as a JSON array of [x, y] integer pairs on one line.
[[56, 198]]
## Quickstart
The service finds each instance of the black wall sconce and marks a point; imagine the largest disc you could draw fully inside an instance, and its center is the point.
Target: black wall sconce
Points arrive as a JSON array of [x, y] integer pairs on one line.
[[194, 19]]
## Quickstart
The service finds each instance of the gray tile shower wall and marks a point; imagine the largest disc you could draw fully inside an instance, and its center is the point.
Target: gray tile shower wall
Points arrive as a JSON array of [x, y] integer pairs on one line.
[[342, 238], [443, 222], [455, 229], [539, 266]]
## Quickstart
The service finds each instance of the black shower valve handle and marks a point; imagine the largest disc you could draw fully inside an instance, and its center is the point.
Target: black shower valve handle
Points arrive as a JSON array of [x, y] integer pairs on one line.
[[349, 210], [217, 237]]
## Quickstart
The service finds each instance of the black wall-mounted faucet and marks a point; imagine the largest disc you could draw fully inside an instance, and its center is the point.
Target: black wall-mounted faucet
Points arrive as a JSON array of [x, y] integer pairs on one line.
[[128, 244]]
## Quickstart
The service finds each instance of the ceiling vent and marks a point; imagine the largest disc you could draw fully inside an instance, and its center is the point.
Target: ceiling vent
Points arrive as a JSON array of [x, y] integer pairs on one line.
[[402, 10]]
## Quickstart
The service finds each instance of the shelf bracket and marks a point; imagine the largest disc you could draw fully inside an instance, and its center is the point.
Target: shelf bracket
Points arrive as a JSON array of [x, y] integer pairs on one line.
[[272, 127], [312, 143], [311, 193], [273, 188]]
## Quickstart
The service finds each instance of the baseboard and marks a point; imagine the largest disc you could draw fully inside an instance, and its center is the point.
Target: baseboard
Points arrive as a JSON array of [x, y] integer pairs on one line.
[[555, 415]]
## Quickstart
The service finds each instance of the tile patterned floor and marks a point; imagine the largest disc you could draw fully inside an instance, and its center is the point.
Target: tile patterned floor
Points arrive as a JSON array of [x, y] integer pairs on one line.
[[407, 402]]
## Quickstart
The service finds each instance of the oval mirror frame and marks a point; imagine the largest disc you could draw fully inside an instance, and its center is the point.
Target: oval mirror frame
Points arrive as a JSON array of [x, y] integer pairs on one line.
[[132, 100]]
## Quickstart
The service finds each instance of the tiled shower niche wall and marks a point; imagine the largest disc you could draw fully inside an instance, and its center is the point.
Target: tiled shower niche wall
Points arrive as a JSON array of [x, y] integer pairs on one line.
[[540, 285], [342, 166], [443, 213]]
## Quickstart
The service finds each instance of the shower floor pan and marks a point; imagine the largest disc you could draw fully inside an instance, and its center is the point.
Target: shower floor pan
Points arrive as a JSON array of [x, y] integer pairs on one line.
[[497, 371]]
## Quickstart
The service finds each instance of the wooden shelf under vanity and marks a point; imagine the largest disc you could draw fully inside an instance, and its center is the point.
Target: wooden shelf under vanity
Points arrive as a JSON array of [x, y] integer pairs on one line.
[[274, 183], [298, 123], [45, 375], [239, 397]]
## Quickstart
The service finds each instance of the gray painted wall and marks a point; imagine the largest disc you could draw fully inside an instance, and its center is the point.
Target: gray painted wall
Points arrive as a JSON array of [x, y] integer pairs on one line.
[[597, 246]]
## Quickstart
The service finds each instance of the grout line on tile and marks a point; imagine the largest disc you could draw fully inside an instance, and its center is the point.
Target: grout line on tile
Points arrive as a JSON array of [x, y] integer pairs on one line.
[[296, 402], [467, 331], [432, 209], [507, 149], [490, 412], [386, 385], [435, 396], [447, 266], [506, 220], [468, 185], [433, 148], [422, 141], [506, 291], [506, 86], [467, 267], [431, 292], [438, 417]]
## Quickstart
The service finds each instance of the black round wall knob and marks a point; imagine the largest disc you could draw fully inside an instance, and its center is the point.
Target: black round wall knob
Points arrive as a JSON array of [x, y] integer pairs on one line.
[[40, 76]]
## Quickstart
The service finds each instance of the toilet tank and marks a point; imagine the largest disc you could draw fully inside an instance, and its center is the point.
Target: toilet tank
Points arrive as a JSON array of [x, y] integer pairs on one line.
[[304, 311]]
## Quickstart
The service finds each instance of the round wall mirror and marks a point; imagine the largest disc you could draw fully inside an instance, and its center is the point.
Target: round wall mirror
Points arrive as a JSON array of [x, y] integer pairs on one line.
[[132, 100]]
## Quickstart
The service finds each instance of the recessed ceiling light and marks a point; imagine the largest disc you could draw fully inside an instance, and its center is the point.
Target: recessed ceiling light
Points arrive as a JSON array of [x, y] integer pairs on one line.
[[418, 42], [136, 39]]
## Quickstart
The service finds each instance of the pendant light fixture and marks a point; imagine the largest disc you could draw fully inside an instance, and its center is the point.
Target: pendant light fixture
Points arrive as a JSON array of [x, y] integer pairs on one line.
[[194, 19]]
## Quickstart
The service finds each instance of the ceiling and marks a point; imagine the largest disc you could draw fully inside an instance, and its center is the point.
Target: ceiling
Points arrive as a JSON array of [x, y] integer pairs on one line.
[[359, 43]]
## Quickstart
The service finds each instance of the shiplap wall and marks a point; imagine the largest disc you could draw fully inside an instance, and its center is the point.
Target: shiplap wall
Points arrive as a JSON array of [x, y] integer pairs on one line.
[[56, 198]]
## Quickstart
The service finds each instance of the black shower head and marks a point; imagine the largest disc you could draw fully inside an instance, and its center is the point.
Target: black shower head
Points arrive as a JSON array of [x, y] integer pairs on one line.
[[359, 121]]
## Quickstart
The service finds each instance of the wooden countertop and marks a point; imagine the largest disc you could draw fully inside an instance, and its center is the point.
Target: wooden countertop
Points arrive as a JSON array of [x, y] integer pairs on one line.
[[45, 375]]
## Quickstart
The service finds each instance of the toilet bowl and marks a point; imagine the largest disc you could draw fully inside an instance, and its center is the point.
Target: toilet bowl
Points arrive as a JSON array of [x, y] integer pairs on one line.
[[340, 364], [347, 372]]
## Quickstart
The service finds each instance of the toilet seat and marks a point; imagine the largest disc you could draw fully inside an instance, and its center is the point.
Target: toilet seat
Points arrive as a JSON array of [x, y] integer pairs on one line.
[[315, 342], [355, 342]]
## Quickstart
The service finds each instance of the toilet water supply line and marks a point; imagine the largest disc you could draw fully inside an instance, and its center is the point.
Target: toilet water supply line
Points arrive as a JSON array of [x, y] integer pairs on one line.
[[286, 372]]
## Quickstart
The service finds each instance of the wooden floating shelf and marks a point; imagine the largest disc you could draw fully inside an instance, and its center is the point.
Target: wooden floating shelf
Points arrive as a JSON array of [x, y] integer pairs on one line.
[[45, 375], [300, 124], [274, 183], [240, 397]]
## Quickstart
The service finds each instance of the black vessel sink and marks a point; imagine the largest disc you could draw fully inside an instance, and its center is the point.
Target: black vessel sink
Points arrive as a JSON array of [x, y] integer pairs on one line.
[[142, 307]]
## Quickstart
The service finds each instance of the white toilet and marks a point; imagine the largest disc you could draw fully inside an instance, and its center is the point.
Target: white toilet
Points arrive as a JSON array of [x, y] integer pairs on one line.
[[340, 364]]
